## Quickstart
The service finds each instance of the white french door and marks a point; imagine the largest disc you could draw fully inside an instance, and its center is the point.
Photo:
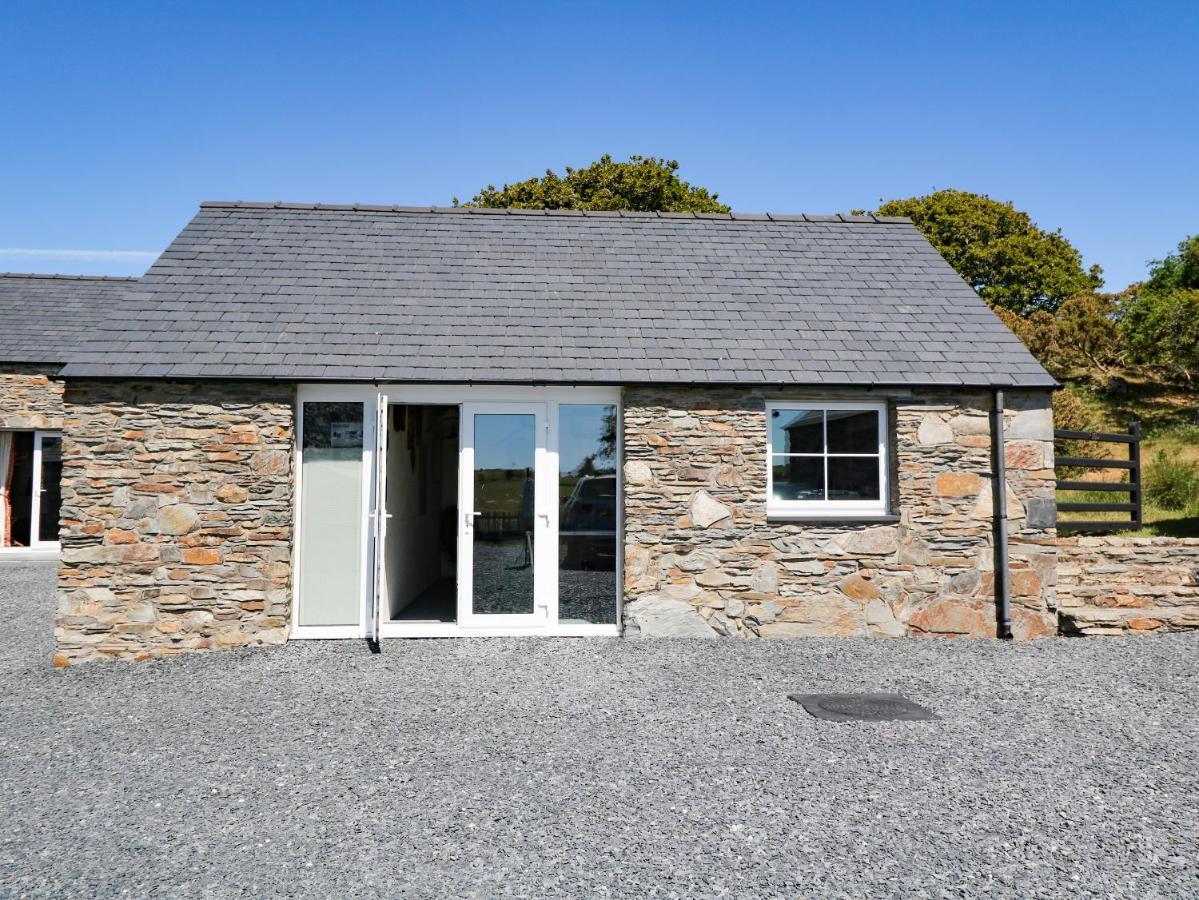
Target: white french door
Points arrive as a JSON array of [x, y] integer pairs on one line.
[[506, 559], [536, 511]]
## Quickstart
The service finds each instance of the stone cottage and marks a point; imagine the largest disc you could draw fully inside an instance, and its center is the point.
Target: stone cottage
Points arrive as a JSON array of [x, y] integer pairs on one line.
[[311, 421]]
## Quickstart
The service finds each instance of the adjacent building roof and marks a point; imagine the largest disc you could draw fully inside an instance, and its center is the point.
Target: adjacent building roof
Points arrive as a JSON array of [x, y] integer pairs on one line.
[[312, 292], [47, 318]]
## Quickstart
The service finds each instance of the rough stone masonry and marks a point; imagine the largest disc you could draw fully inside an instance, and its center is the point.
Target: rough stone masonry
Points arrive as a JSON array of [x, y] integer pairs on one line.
[[1116, 584], [178, 502], [697, 536], [30, 397], [176, 520]]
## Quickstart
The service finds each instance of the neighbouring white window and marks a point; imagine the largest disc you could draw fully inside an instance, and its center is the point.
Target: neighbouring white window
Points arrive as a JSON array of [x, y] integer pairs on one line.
[[30, 489], [826, 459]]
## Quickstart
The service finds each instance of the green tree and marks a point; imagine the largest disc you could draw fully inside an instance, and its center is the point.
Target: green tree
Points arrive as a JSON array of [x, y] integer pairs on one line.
[[642, 183], [1160, 316], [1178, 271], [999, 250]]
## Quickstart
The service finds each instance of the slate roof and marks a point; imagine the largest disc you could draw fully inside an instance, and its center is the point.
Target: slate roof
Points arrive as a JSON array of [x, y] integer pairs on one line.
[[312, 292], [46, 318]]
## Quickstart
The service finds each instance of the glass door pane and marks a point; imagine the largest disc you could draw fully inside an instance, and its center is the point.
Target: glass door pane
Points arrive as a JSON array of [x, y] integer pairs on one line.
[[331, 540], [587, 512], [503, 515], [49, 488]]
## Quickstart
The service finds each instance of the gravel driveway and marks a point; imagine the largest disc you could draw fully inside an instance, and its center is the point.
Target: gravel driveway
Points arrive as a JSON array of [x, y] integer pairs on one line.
[[595, 767]]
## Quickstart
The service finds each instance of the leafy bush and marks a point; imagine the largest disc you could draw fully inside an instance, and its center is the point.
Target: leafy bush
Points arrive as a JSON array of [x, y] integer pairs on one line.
[[1084, 334], [1178, 271], [1172, 482], [1070, 411], [640, 183], [1088, 332], [1162, 331], [1159, 318], [1151, 328]]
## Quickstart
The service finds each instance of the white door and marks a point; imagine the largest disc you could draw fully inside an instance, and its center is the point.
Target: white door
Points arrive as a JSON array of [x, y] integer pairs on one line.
[[47, 496], [335, 433], [507, 554]]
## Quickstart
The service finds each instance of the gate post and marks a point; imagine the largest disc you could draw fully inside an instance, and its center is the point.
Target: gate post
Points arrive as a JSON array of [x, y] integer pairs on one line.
[[1134, 456]]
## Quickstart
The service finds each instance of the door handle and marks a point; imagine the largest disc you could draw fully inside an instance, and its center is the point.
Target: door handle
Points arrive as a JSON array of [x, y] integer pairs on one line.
[[470, 516], [545, 516]]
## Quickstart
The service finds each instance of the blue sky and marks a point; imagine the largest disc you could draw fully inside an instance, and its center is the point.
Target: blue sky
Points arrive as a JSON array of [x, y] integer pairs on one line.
[[119, 118]]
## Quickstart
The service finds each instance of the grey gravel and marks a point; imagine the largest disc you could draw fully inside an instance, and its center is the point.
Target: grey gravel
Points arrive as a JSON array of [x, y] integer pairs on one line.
[[590, 768]]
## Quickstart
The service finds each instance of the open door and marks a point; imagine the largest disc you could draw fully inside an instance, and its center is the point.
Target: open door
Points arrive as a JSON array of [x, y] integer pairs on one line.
[[379, 517], [334, 539]]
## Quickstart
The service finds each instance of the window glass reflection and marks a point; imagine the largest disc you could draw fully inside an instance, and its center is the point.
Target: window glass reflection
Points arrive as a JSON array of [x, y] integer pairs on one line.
[[587, 511], [853, 477], [504, 493], [50, 502], [852, 431], [797, 431], [798, 478]]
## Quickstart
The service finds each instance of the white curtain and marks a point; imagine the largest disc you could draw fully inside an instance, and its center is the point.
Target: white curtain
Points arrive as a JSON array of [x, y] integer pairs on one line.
[[5, 478]]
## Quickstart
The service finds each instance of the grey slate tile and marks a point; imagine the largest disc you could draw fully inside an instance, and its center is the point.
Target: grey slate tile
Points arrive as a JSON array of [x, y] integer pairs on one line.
[[355, 292], [51, 318]]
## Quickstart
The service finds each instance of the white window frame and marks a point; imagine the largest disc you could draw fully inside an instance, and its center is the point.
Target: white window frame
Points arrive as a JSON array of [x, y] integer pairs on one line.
[[829, 509]]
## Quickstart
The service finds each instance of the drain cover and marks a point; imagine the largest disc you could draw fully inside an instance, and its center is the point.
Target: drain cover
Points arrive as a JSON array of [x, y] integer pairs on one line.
[[862, 707]]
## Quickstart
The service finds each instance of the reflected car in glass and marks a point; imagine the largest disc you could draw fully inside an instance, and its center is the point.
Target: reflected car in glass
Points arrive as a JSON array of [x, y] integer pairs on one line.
[[587, 529]]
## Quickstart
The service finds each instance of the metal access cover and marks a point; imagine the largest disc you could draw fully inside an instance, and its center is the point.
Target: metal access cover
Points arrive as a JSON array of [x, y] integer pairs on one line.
[[862, 707]]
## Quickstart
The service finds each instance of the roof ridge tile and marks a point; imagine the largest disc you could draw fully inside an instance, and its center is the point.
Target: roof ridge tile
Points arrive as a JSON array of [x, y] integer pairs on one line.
[[732, 216], [38, 275]]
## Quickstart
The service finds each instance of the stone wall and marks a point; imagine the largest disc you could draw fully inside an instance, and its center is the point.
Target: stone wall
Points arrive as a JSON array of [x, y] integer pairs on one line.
[[177, 518], [696, 529], [1127, 585], [30, 397]]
